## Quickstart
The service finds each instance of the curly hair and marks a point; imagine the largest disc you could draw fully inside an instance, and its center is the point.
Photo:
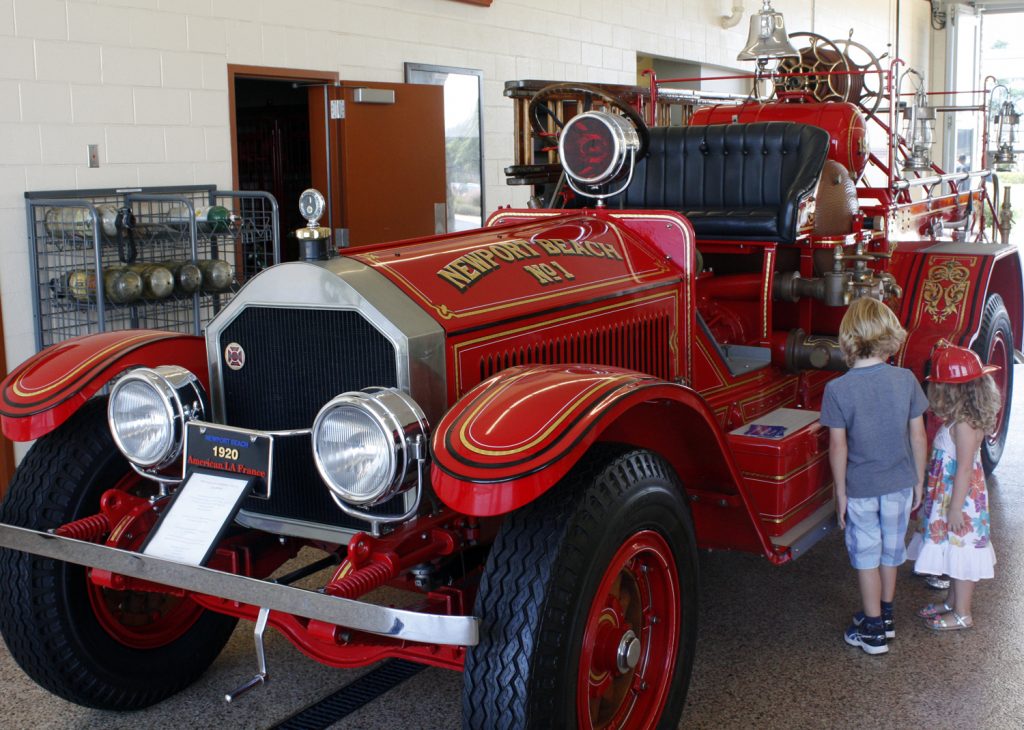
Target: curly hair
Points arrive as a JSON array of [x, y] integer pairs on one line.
[[976, 402], [869, 329]]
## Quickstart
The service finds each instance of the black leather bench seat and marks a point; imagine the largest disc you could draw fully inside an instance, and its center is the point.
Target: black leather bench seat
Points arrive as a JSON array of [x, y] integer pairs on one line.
[[733, 181], [751, 223]]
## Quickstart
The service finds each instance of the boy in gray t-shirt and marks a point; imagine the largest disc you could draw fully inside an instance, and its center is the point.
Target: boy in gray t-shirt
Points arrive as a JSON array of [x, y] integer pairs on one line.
[[877, 450]]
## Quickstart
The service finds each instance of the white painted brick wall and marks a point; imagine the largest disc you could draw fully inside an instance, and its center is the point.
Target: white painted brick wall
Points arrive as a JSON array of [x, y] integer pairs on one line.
[[147, 79], [41, 19], [132, 143], [17, 58], [102, 104], [131, 66], [148, 29], [167, 173], [183, 70], [209, 108], [90, 23], [20, 145], [184, 144], [7, 17], [207, 35], [67, 61], [11, 178], [65, 145], [161, 106], [123, 175], [10, 101], [49, 177], [215, 73]]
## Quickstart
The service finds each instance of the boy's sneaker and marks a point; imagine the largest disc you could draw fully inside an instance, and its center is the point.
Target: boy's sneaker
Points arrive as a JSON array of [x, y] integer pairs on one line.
[[887, 621], [869, 636]]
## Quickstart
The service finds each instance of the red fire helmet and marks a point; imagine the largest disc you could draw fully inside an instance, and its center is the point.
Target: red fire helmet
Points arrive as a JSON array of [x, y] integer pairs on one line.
[[952, 364]]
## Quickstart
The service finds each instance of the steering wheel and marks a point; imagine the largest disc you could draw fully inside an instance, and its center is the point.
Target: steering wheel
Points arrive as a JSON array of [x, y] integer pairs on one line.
[[822, 55], [539, 112]]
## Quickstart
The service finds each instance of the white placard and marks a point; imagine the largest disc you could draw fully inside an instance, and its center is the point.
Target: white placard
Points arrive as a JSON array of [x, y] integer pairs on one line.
[[196, 518]]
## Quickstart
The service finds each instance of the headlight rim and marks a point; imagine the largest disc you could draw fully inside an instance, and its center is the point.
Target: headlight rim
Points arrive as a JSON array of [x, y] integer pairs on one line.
[[370, 401], [169, 382]]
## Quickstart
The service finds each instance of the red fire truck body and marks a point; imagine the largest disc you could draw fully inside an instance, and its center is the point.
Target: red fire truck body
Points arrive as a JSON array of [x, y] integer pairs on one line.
[[560, 408]]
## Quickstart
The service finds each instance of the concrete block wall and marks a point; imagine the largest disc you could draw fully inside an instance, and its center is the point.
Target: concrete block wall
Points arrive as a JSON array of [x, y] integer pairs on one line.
[[147, 79]]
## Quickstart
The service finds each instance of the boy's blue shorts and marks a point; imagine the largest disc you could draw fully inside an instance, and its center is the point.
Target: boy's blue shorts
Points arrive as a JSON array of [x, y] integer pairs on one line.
[[876, 529]]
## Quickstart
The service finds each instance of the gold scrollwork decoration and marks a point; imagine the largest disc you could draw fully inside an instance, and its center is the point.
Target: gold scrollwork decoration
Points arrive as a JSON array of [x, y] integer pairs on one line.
[[945, 289]]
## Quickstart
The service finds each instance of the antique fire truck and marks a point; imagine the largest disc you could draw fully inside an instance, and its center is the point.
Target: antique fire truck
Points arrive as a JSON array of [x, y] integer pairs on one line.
[[530, 428]]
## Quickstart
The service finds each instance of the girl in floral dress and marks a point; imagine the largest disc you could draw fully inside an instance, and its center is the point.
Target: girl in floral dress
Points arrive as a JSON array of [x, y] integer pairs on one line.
[[952, 536]]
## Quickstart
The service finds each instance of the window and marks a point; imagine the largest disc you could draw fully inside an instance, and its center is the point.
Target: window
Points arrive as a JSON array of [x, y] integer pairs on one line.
[[463, 131]]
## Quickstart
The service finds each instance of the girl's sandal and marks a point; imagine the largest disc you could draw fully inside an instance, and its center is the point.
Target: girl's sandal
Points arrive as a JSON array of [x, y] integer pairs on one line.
[[950, 621], [934, 609]]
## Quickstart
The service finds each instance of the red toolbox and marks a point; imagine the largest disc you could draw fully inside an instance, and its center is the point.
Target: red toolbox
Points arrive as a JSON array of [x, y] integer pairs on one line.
[[783, 457]]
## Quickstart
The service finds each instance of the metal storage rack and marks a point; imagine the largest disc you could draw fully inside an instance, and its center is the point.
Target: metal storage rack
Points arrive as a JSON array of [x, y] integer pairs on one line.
[[82, 243]]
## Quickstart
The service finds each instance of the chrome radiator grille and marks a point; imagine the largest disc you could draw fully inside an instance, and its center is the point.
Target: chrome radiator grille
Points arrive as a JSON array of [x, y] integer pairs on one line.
[[295, 361]]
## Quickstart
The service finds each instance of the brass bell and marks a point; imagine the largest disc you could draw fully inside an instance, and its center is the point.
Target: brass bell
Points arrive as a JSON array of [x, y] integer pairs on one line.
[[767, 38]]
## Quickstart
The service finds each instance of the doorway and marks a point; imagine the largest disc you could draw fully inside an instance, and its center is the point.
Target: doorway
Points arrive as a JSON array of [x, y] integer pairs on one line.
[[270, 138], [272, 124], [357, 142]]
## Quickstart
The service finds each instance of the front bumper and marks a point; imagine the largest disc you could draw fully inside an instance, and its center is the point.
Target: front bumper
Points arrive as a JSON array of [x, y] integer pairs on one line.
[[391, 622]]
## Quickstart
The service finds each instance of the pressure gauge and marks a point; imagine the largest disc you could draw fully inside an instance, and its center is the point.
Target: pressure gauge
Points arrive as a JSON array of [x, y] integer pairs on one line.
[[311, 205]]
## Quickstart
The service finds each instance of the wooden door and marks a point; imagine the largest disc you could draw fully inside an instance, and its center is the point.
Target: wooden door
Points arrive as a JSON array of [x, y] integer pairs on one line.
[[382, 165]]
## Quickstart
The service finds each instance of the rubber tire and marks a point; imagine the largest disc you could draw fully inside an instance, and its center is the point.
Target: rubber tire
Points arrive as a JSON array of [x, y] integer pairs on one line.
[[996, 321], [543, 568], [46, 617]]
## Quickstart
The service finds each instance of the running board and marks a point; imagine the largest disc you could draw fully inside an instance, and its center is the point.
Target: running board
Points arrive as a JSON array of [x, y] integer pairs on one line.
[[807, 532]]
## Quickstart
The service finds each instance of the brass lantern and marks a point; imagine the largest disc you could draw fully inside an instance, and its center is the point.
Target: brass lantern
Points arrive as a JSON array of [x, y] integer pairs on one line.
[[919, 131], [1006, 122]]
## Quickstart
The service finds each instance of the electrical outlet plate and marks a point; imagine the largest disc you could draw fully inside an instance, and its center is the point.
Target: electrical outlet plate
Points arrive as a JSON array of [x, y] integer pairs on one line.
[[94, 155]]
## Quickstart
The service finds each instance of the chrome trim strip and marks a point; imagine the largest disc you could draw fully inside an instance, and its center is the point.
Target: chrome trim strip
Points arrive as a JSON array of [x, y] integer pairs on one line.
[[284, 433], [159, 479], [381, 620], [297, 528]]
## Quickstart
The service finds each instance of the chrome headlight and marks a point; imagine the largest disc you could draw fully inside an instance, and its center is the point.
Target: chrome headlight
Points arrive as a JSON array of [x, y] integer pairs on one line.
[[363, 444], [147, 412]]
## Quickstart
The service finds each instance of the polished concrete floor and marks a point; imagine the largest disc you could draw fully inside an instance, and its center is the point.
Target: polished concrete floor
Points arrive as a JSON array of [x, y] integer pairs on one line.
[[770, 654]]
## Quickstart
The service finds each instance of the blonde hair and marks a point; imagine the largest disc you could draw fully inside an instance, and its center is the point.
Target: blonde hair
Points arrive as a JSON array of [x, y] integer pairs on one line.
[[869, 329], [976, 402]]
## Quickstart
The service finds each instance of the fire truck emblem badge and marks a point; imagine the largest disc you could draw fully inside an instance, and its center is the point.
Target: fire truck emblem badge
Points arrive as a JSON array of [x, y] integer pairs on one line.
[[945, 289], [234, 356]]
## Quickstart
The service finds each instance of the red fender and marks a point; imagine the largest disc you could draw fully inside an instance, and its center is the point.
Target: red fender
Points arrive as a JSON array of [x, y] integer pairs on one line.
[[946, 287], [513, 436], [45, 390]]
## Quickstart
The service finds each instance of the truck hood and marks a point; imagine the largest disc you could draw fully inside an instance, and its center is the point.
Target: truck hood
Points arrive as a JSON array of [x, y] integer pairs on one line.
[[514, 269]]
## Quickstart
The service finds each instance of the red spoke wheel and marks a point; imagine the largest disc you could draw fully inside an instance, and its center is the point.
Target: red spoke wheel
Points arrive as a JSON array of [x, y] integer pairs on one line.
[[140, 619], [588, 604], [115, 650], [994, 345], [631, 638]]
